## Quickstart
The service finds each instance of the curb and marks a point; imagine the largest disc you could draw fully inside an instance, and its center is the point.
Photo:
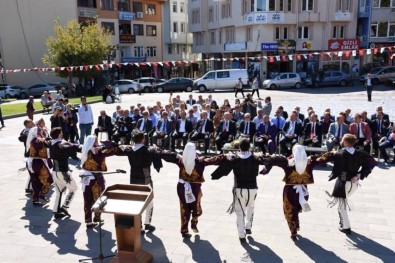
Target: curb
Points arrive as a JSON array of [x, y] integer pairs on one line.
[[39, 111]]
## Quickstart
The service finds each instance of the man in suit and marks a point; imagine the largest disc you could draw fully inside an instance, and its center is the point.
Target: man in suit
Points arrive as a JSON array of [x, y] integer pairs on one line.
[[266, 134], [192, 118], [369, 86], [283, 113], [364, 118], [145, 126], [312, 132], [299, 115], [104, 124], [191, 101], [211, 112], [182, 130], [388, 143], [379, 129], [362, 131], [115, 114], [291, 132], [380, 109], [278, 120], [247, 128], [226, 131], [163, 130], [336, 132], [237, 115], [124, 127], [203, 130]]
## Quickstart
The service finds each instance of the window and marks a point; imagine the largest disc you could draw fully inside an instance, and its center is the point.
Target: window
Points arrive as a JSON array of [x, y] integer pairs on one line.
[[244, 7], [226, 10], [285, 33], [211, 14], [182, 7], [150, 30], [229, 9], [212, 37], [339, 32], [196, 16], [307, 5], [139, 51], [277, 33], [303, 32], [347, 7], [230, 35], [138, 30], [87, 3], [391, 31], [383, 29], [281, 33], [106, 4], [124, 28], [266, 5], [175, 27], [373, 30], [182, 27], [289, 6], [272, 5], [223, 74], [393, 3], [137, 7], [343, 5], [249, 34], [170, 49], [150, 9], [124, 5], [281, 6], [198, 38], [220, 37], [174, 7], [109, 27], [151, 51], [383, 3]]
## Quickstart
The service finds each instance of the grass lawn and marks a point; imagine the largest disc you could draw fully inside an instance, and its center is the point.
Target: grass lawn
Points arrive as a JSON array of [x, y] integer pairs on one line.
[[16, 108]]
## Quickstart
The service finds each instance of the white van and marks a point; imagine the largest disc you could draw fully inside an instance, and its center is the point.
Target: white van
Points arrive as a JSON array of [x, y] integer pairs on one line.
[[224, 79]]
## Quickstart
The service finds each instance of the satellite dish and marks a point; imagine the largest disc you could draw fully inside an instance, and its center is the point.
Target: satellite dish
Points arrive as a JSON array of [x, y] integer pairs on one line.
[[372, 45]]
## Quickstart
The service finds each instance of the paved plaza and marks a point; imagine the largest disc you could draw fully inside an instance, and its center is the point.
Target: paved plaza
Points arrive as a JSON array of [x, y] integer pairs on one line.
[[29, 234]]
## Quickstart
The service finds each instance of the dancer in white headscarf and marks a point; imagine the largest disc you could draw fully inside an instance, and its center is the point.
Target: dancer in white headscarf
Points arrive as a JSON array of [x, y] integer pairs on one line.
[[298, 174], [189, 184]]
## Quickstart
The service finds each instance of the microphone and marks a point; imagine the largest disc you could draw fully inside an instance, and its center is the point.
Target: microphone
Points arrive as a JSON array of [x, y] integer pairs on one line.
[[120, 171]]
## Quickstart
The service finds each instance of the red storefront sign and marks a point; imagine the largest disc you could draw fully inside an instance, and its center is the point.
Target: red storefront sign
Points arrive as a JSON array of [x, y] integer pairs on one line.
[[343, 44]]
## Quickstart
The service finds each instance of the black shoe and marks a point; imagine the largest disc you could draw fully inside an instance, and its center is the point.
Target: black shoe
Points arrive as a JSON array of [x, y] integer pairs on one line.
[[294, 238], [242, 240], [37, 204], [98, 220], [58, 215], [91, 225], [195, 229], [346, 231], [28, 191], [248, 232], [149, 228], [65, 212], [186, 235]]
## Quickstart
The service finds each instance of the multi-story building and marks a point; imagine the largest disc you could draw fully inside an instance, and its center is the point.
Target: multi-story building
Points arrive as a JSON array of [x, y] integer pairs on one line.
[[376, 30], [177, 41], [227, 32]]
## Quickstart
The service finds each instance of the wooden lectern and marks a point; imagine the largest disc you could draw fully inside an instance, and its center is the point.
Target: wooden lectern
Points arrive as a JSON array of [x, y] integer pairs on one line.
[[127, 202]]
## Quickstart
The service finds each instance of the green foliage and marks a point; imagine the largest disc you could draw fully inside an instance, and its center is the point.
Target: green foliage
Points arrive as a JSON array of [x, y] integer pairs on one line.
[[74, 45]]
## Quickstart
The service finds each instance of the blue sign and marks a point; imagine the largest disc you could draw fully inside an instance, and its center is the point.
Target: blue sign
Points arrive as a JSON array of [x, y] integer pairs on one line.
[[269, 46], [126, 16], [133, 59]]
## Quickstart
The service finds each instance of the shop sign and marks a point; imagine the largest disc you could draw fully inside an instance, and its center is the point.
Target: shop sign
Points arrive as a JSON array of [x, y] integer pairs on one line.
[[343, 44], [91, 13], [133, 59], [237, 46], [265, 18], [127, 39], [286, 46], [269, 46], [126, 16]]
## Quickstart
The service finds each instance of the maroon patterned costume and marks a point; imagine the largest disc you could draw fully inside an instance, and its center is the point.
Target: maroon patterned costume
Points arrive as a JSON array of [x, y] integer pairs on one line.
[[39, 167], [195, 179]]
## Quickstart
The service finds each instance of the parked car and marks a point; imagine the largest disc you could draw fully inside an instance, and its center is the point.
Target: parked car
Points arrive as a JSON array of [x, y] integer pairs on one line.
[[224, 79], [10, 91], [60, 86], [283, 80], [36, 90], [369, 67], [332, 78], [379, 75], [147, 83], [175, 84], [127, 86]]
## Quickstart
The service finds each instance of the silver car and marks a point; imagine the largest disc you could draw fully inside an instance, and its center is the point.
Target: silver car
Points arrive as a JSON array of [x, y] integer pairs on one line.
[[283, 80], [8, 91], [36, 90], [380, 75], [127, 86]]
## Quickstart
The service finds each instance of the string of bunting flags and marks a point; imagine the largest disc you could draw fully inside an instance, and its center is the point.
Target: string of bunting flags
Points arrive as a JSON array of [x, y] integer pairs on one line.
[[270, 59]]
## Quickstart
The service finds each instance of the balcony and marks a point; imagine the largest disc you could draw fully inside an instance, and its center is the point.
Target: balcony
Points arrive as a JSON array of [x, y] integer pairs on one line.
[[342, 16], [129, 39]]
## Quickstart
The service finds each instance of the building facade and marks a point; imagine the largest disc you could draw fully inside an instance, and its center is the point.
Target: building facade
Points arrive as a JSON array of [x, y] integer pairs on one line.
[[226, 32]]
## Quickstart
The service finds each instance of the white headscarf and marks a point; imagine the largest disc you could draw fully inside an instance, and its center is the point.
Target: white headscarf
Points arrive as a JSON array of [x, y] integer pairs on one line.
[[88, 144], [33, 133], [299, 158], [189, 157]]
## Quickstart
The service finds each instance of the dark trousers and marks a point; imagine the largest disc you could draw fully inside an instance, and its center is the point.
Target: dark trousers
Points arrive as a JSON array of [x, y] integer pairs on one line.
[[383, 146], [201, 136], [180, 135], [91, 194], [369, 90], [284, 148], [1, 119], [73, 134], [109, 132], [186, 210], [270, 144], [360, 142], [222, 138], [239, 90], [257, 92], [119, 134]]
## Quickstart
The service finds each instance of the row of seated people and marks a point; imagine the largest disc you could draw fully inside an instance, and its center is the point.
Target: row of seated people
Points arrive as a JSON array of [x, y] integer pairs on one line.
[[267, 135]]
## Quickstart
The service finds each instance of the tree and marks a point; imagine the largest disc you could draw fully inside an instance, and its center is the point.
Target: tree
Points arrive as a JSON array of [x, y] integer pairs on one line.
[[77, 44]]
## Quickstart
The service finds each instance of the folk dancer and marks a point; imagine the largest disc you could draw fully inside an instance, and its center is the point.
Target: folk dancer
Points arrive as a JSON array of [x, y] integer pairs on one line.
[[140, 159], [245, 166], [22, 138], [298, 174], [350, 165], [93, 163], [189, 184], [39, 165], [60, 151]]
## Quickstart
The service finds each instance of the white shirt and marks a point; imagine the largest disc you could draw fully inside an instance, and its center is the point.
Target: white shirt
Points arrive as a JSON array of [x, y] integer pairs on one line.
[[85, 116], [361, 135], [182, 125], [368, 82]]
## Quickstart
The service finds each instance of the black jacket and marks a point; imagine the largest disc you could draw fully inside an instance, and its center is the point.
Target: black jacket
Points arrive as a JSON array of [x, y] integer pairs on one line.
[[209, 126], [106, 124], [188, 126], [232, 127], [148, 125], [60, 153]]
